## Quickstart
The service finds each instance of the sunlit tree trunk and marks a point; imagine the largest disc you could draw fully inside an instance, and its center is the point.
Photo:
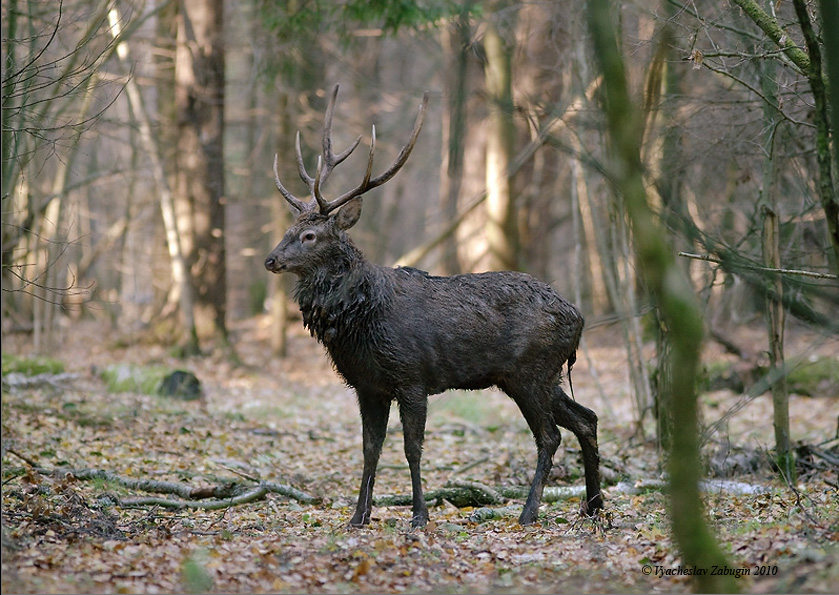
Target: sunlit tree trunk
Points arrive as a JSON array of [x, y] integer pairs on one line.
[[280, 215], [36, 103], [501, 224], [54, 238], [595, 245], [180, 279], [199, 100]]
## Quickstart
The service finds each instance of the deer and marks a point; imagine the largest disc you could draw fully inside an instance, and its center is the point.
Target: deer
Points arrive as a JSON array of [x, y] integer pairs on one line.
[[401, 334]]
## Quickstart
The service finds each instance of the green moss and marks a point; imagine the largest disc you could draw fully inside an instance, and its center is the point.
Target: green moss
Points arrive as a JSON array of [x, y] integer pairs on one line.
[[815, 377], [31, 366], [123, 378]]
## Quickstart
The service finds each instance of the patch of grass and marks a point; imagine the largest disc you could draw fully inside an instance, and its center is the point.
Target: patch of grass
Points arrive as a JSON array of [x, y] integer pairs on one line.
[[264, 411], [233, 416], [477, 407], [196, 578], [744, 527], [31, 366], [124, 378]]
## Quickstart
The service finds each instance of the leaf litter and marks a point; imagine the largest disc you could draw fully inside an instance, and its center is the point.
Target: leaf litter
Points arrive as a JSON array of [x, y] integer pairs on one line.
[[293, 423]]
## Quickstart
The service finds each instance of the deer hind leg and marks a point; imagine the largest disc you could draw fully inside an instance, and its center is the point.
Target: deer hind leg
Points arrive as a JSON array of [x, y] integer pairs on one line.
[[413, 411], [374, 416], [535, 405], [583, 422]]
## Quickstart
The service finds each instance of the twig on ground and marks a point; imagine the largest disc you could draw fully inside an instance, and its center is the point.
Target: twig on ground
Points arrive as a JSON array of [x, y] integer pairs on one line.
[[471, 465], [22, 457]]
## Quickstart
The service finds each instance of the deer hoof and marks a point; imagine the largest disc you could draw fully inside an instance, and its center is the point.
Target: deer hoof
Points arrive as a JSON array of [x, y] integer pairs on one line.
[[419, 520], [359, 520]]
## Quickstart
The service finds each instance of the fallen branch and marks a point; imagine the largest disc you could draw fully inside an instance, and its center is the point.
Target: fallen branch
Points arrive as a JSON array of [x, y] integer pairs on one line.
[[17, 381], [146, 485], [484, 514], [472, 493], [211, 497], [247, 497], [725, 486], [258, 493]]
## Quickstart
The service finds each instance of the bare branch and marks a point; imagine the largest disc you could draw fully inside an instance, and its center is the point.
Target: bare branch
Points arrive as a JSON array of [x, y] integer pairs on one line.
[[798, 272]]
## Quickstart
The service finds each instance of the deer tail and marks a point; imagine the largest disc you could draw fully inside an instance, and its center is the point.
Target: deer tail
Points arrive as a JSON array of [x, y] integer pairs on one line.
[[572, 359]]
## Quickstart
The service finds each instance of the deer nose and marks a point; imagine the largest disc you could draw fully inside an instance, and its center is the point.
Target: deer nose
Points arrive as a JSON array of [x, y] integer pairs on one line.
[[275, 264]]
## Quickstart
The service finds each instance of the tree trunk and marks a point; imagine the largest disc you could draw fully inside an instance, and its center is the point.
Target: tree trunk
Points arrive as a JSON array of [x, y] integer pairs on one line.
[[829, 10], [278, 284], [827, 191], [810, 63], [775, 326], [456, 37], [677, 300], [774, 283], [167, 205], [501, 214], [199, 100], [668, 183]]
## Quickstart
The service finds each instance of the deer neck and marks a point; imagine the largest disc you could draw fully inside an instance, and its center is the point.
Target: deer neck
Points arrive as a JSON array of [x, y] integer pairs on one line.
[[340, 296]]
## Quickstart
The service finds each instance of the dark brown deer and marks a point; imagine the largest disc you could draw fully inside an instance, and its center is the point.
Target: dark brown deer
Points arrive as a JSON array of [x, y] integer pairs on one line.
[[401, 334]]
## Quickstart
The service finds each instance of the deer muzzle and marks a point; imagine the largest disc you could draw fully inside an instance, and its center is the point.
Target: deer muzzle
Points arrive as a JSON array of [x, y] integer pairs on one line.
[[273, 264]]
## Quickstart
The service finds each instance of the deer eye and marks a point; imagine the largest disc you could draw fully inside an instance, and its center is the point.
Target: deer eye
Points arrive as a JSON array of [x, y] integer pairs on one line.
[[308, 237]]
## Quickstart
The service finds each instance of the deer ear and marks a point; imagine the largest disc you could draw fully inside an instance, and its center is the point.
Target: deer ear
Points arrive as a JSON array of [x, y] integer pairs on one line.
[[348, 214]]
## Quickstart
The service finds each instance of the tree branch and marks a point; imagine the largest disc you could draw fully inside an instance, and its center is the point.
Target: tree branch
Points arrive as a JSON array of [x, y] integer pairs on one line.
[[776, 33], [799, 272]]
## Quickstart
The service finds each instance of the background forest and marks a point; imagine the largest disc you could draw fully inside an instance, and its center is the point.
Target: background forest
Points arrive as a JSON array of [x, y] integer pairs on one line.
[[139, 204]]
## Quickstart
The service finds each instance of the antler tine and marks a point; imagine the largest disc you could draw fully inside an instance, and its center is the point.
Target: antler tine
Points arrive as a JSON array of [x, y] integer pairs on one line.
[[301, 167], [401, 159], [316, 187], [292, 200], [330, 159], [369, 171]]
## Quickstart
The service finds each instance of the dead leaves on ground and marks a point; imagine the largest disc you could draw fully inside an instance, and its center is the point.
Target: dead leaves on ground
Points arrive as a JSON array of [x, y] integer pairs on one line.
[[64, 535]]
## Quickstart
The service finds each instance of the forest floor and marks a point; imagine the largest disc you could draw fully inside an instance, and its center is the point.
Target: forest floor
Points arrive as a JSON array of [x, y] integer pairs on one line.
[[293, 422]]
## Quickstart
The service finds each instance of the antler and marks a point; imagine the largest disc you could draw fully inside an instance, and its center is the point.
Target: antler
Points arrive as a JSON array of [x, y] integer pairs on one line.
[[328, 160]]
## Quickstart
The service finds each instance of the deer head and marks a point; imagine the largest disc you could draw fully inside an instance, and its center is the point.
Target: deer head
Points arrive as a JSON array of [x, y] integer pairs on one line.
[[306, 243]]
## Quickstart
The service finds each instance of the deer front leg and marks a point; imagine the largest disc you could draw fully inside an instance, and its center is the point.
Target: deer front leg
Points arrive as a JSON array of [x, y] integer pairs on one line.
[[413, 412], [374, 416]]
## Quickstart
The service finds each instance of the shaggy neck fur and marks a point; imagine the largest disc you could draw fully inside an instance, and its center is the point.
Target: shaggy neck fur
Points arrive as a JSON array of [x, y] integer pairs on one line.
[[340, 299]]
